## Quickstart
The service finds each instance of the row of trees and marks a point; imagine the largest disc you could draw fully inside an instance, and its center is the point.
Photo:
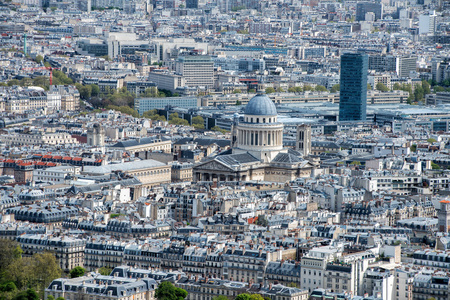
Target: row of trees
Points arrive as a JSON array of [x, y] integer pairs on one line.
[[25, 277]]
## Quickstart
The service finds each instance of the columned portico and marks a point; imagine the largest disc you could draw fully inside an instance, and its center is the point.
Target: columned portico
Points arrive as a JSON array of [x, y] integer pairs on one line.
[[260, 134]]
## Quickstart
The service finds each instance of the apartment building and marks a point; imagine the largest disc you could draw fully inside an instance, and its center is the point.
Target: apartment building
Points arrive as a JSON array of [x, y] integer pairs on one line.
[[103, 253], [38, 138], [102, 288], [68, 251], [167, 81], [55, 175], [197, 70]]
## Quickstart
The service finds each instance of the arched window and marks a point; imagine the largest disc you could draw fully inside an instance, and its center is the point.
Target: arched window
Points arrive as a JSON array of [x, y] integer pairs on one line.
[[264, 120], [257, 120]]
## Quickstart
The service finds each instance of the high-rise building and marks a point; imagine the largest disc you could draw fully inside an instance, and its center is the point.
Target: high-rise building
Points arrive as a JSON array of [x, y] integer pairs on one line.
[[440, 69], [405, 65], [191, 3], [427, 23], [198, 70], [444, 216], [364, 7], [353, 91], [402, 66]]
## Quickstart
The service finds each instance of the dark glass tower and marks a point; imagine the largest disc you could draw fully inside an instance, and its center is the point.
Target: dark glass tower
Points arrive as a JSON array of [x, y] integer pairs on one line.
[[353, 91]]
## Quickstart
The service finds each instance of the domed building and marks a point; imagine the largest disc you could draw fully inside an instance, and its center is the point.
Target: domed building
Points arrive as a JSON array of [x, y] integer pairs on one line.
[[257, 150]]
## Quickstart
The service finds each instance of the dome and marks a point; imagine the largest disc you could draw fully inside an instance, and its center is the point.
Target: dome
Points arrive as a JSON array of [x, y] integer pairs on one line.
[[261, 105]]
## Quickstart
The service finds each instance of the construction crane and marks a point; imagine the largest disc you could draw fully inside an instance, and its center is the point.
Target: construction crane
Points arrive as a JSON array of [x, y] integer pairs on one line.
[[43, 68]]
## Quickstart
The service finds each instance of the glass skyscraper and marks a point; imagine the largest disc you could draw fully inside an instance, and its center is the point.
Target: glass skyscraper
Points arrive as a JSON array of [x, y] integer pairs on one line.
[[353, 91]]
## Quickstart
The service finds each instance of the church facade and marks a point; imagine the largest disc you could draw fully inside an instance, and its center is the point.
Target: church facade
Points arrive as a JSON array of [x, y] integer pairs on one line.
[[257, 150]]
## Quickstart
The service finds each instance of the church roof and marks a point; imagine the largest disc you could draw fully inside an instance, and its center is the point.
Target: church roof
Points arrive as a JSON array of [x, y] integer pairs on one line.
[[261, 105], [286, 158], [137, 142], [237, 159]]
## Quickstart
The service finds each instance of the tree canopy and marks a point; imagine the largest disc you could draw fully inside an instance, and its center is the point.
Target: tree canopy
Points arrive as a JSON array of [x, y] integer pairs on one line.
[[270, 90], [77, 272], [167, 291], [105, 271], [198, 122], [335, 88], [382, 87]]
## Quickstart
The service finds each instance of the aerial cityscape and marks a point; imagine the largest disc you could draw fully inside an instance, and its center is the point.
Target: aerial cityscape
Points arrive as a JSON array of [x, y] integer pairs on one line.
[[224, 150]]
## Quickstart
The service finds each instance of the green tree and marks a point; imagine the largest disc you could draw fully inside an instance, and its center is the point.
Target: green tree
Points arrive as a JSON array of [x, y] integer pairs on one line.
[[20, 271], [10, 252], [84, 90], [77, 272], [335, 88], [237, 91], [29, 294], [431, 140], [124, 109], [13, 82], [45, 269], [270, 90], [355, 163], [426, 87], [153, 115], [291, 89], [307, 88], [435, 166], [413, 148], [50, 297], [39, 59], [418, 93], [397, 86], [438, 89], [198, 122], [220, 297], [173, 116], [252, 91], [369, 87], [105, 271], [60, 298], [382, 87], [238, 103], [243, 296], [217, 128], [41, 81], [8, 287], [167, 291], [59, 78], [150, 92], [95, 90], [320, 88], [121, 97], [280, 90]]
